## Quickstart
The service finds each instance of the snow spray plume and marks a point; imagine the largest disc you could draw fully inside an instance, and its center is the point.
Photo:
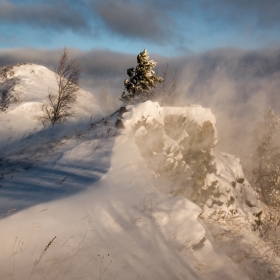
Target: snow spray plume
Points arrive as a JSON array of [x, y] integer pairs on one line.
[[237, 85]]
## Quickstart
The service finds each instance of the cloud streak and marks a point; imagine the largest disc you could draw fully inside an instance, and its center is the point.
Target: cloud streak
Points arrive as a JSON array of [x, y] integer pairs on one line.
[[57, 16], [159, 22], [257, 13]]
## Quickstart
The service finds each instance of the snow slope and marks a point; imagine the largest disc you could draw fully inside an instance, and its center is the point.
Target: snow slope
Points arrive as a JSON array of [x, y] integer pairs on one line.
[[82, 201]]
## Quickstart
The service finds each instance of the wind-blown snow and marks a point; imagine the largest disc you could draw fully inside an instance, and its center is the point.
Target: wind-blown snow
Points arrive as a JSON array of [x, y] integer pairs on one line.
[[89, 203]]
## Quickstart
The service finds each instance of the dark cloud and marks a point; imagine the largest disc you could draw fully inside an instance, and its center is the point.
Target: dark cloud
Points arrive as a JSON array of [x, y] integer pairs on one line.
[[264, 14], [57, 16], [166, 21], [47, 58], [95, 63], [160, 22], [134, 19]]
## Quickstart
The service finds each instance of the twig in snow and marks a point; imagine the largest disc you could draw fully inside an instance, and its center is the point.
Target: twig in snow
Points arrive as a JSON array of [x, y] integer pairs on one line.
[[9, 211], [42, 254]]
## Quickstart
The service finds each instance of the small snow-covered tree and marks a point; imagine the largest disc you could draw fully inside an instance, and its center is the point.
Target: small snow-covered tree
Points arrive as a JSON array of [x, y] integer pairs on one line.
[[266, 158], [142, 81]]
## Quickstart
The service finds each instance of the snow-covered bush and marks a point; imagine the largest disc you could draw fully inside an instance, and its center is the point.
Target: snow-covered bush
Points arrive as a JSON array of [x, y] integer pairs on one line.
[[142, 81], [266, 158]]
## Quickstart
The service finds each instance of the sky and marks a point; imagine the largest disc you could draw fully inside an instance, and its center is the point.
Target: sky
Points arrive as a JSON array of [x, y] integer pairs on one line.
[[168, 28]]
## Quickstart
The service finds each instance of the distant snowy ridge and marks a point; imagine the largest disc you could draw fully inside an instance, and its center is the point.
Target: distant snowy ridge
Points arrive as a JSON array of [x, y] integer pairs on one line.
[[23, 90], [178, 144]]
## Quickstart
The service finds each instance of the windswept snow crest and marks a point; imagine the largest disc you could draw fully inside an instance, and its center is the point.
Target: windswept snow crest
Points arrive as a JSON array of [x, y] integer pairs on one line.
[[178, 144]]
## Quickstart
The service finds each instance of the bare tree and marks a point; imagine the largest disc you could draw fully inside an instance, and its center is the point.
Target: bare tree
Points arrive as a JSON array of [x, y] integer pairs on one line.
[[60, 105]]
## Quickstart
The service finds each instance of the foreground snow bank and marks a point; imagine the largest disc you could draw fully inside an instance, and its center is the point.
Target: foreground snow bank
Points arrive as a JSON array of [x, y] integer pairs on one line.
[[178, 144]]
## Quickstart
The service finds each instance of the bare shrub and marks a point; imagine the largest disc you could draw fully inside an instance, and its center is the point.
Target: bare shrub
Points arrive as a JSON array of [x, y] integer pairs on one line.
[[266, 158], [257, 257], [60, 105], [269, 227]]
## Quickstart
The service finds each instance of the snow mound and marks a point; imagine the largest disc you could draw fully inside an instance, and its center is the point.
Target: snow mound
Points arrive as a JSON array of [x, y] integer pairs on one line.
[[178, 144], [23, 90]]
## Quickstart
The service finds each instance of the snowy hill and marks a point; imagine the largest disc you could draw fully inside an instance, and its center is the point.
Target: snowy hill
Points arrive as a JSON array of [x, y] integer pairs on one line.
[[88, 200], [23, 90]]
